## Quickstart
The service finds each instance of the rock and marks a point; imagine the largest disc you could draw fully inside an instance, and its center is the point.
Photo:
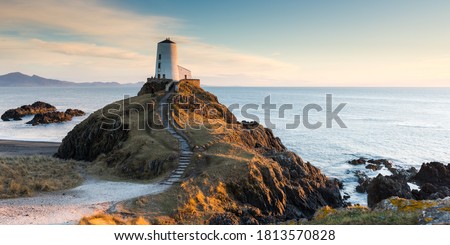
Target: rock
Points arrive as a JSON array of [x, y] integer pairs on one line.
[[362, 188], [223, 219], [432, 212], [55, 117], [154, 85], [434, 181], [373, 167], [404, 205], [338, 182], [360, 161], [92, 137], [291, 181], [438, 214], [429, 191], [434, 173], [383, 187], [75, 112], [380, 162], [363, 181], [33, 109], [346, 196], [250, 125], [361, 176], [50, 117]]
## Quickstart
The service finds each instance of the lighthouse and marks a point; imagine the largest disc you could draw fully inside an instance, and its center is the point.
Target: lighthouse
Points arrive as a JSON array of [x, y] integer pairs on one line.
[[167, 62]]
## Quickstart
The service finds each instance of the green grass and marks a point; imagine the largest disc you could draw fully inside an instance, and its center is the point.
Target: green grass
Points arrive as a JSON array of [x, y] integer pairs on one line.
[[367, 217], [26, 175]]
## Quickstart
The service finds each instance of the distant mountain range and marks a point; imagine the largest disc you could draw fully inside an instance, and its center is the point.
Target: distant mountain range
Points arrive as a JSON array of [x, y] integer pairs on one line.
[[17, 79]]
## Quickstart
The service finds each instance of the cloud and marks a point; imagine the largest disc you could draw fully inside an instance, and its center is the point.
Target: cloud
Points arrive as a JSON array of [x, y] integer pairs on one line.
[[86, 49], [50, 37]]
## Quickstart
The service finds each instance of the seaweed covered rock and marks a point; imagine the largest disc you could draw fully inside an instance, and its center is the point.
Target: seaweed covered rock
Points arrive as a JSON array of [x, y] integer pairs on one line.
[[25, 110]]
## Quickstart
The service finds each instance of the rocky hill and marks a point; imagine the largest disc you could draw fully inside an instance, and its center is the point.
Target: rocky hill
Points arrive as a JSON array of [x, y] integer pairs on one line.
[[240, 172]]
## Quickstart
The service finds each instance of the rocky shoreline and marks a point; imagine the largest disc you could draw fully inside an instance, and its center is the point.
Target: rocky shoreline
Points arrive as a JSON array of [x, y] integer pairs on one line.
[[433, 180], [44, 113]]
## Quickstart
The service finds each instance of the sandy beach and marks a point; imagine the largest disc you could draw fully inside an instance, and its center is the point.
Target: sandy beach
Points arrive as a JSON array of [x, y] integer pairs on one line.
[[16, 147], [67, 206]]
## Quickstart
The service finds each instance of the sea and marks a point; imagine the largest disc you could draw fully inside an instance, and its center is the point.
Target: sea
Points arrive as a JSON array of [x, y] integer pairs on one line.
[[408, 126]]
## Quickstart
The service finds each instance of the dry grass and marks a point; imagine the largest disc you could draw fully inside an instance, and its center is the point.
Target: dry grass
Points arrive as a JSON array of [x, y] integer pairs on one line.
[[25, 175], [108, 219]]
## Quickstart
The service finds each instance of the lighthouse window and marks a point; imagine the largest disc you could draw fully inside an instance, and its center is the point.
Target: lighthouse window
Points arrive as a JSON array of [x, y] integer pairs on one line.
[[159, 56], [159, 65]]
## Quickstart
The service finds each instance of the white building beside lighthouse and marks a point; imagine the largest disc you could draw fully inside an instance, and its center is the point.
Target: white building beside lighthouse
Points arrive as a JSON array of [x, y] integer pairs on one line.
[[167, 62]]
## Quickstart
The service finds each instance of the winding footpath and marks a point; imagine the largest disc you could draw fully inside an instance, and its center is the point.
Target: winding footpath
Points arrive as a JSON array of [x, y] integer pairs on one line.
[[68, 206], [185, 150]]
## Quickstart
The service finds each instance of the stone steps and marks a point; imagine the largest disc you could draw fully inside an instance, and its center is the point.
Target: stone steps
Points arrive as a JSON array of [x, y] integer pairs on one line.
[[185, 150]]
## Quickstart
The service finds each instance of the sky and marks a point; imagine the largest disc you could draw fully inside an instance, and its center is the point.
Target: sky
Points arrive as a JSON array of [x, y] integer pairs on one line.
[[232, 43]]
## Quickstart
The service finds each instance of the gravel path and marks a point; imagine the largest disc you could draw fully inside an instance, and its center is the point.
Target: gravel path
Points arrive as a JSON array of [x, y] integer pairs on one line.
[[67, 207]]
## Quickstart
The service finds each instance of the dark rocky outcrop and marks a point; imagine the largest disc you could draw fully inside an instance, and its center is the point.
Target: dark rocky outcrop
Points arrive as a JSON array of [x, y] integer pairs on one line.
[[223, 219], [360, 161], [373, 164], [288, 182], [373, 167], [381, 162], [55, 117], [91, 138], [363, 181], [383, 187], [75, 112], [50, 117], [429, 191], [154, 85], [434, 173], [434, 181], [33, 109], [262, 139]]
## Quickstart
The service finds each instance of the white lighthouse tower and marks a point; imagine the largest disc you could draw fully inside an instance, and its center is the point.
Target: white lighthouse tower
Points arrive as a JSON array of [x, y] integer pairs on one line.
[[167, 61]]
